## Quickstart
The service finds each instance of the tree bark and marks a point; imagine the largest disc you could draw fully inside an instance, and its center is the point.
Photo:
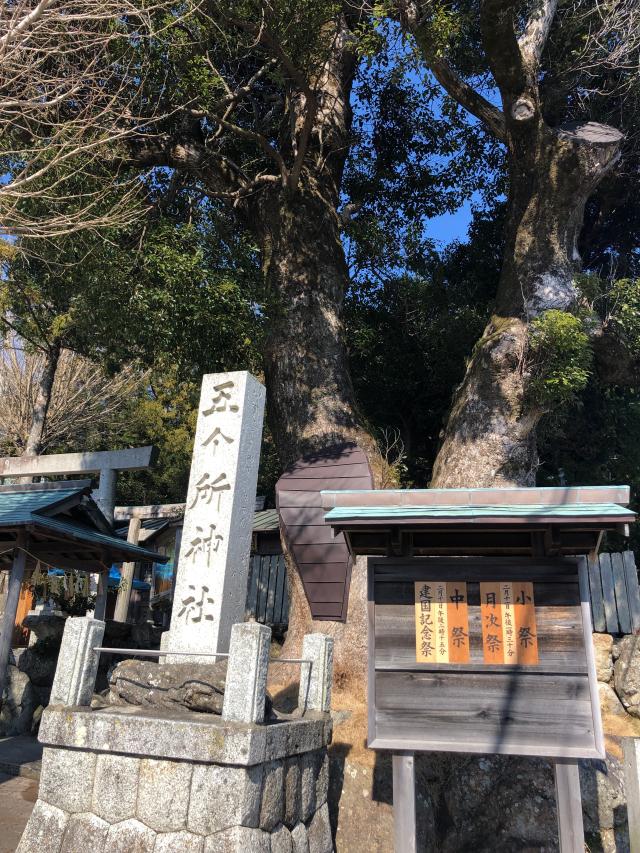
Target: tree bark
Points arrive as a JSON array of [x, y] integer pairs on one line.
[[33, 446], [490, 437], [310, 396], [310, 399]]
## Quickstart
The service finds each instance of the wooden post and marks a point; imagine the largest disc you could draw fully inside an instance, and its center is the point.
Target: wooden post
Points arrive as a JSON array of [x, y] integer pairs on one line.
[[404, 802], [632, 789], [11, 607], [569, 805], [126, 576], [101, 598]]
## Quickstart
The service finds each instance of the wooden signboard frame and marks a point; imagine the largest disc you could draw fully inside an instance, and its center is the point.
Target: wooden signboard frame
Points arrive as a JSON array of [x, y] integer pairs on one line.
[[550, 709]]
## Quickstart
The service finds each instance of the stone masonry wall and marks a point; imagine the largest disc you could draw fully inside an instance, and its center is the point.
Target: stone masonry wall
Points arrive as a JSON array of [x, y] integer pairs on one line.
[[92, 800]]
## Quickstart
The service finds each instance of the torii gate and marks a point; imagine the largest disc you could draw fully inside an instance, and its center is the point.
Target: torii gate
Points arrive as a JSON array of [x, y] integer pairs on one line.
[[106, 463]]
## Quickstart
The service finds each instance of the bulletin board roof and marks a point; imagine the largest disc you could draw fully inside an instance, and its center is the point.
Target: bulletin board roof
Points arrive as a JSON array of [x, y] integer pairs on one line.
[[517, 521]]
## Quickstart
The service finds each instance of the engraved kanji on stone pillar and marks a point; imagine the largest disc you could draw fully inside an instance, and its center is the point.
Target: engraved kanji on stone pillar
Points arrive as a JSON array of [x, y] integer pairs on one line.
[[211, 584]]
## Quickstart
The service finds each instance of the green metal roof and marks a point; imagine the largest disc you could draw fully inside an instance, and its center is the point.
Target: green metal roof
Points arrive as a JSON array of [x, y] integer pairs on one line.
[[265, 520], [17, 507], [87, 534], [32, 506], [572, 510]]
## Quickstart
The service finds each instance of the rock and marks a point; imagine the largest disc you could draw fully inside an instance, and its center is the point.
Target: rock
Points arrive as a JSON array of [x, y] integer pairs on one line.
[[195, 686], [130, 836], [85, 831], [238, 839], [44, 830], [319, 832], [163, 794], [615, 720], [627, 674], [35, 720], [115, 788], [18, 704], [41, 668], [198, 687], [48, 627], [603, 646], [223, 797]]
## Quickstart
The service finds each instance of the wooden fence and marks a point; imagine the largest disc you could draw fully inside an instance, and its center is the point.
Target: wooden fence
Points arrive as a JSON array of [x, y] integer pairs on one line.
[[615, 599], [268, 590]]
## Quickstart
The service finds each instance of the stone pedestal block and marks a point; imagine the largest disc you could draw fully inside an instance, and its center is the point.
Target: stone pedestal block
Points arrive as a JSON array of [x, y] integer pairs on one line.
[[187, 783]]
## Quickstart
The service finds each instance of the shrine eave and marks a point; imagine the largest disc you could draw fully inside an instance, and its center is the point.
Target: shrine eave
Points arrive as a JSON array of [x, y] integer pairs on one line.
[[529, 522]]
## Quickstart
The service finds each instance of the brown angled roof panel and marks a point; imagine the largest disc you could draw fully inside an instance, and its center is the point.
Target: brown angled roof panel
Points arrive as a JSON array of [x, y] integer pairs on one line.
[[321, 557]]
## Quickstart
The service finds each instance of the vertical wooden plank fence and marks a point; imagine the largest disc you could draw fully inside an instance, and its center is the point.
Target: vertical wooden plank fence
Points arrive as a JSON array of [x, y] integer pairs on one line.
[[615, 596], [268, 590]]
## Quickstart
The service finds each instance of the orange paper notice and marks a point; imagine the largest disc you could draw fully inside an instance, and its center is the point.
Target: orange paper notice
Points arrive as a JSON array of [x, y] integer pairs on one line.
[[442, 622], [509, 634]]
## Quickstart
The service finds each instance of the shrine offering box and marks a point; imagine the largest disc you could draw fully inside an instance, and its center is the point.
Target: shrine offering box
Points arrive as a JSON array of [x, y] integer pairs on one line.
[[482, 655]]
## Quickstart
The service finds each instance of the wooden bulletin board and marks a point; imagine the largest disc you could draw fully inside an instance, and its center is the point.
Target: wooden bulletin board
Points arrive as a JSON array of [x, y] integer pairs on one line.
[[488, 655]]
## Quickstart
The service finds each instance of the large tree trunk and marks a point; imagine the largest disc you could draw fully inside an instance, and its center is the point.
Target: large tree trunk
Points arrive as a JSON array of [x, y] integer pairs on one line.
[[33, 446], [490, 437], [310, 398]]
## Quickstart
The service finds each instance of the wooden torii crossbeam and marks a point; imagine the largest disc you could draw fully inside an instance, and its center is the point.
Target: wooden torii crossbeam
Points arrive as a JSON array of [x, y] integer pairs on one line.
[[106, 463]]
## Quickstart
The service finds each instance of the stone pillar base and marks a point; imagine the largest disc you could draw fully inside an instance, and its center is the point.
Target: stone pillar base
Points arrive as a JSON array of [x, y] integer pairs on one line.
[[130, 779]]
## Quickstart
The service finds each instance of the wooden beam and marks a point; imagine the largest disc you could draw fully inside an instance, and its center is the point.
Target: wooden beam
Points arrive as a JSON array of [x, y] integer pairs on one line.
[[11, 607], [124, 513], [404, 802], [569, 805], [126, 575], [631, 748], [129, 459]]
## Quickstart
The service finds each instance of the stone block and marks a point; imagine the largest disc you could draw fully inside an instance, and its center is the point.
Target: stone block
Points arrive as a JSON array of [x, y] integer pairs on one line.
[[223, 797], [178, 842], [246, 685], [315, 680], [44, 830], [319, 832], [281, 840], [309, 768], [115, 787], [130, 836], [299, 839], [272, 807], [163, 794], [603, 648], [66, 779], [322, 779], [185, 736], [238, 839], [292, 792], [75, 676], [85, 832]]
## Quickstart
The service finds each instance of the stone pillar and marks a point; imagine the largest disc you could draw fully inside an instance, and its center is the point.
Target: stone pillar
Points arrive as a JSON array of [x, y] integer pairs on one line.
[[105, 497], [213, 566], [11, 607], [632, 789], [246, 683], [315, 679], [77, 667]]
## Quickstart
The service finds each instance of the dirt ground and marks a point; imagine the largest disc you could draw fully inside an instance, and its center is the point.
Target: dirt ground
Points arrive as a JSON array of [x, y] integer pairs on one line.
[[17, 796]]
